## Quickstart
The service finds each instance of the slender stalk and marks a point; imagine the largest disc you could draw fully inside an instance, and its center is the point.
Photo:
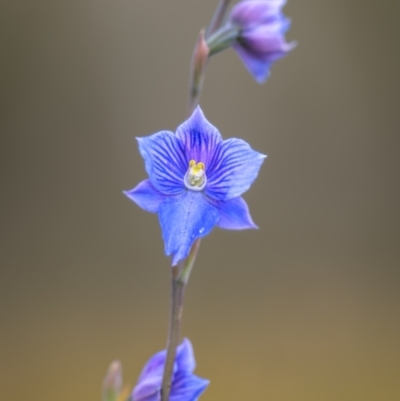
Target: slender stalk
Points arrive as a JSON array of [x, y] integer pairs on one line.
[[178, 289], [218, 17], [223, 38], [197, 72], [180, 277], [181, 272]]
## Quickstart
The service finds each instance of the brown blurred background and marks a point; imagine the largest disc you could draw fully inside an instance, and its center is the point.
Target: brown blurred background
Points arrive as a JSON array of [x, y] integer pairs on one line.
[[306, 308]]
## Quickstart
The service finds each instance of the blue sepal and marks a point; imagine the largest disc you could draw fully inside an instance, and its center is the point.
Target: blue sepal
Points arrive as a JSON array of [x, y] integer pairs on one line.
[[234, 215], [146, 196]]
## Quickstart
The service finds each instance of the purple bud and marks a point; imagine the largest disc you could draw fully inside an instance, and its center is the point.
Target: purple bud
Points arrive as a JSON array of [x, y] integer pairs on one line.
[[112, 383], [261, 39]]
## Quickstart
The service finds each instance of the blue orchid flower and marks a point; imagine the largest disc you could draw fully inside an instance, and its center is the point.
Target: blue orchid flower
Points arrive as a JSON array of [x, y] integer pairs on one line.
[[195, 182], [185, 386]]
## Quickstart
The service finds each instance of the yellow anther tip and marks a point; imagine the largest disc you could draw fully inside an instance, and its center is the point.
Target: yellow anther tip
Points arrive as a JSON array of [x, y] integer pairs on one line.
[[195, 177]]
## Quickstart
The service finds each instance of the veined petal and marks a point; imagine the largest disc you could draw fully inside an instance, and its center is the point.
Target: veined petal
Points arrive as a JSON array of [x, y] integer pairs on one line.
[[165, 161], [185, 357], [199, 136], [148, 389], [258, 67], [154, 366], [183, 219], [234, 214], [233, 169], [149, 383], [263, 45], [146, 196], [267, 38], [252, 12], [187, 387]]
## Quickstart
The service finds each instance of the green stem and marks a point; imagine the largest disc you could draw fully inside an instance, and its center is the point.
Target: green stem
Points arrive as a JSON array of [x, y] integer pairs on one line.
[[178, 289], [180, 277], [223, 38], [218, 17]]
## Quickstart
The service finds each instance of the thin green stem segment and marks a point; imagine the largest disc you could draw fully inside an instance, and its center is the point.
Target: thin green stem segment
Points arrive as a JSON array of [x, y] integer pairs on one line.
[[180, 277], [178, 289], [223, 38], [189, 262], [218, 17]]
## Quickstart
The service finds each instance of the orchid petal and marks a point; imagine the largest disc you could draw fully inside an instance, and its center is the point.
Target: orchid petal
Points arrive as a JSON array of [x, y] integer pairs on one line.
[[199, 136], [188, 387], [234, 168], [185, 357], [149, 382], [165, 161], [234, 214], [256, 66], [154, 366], [146, 196], [247, 13], [268, 38], [148, 389]]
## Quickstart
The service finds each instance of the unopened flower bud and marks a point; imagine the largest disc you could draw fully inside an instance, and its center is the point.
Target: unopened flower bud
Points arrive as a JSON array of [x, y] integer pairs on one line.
[[112, 383], [261, 40]]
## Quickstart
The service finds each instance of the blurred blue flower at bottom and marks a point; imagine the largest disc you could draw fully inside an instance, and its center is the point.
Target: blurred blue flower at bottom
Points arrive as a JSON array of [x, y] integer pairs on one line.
[[185, 386]]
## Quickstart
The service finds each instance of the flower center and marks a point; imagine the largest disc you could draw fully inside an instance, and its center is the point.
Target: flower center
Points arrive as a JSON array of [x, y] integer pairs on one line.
[[195, 178]]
